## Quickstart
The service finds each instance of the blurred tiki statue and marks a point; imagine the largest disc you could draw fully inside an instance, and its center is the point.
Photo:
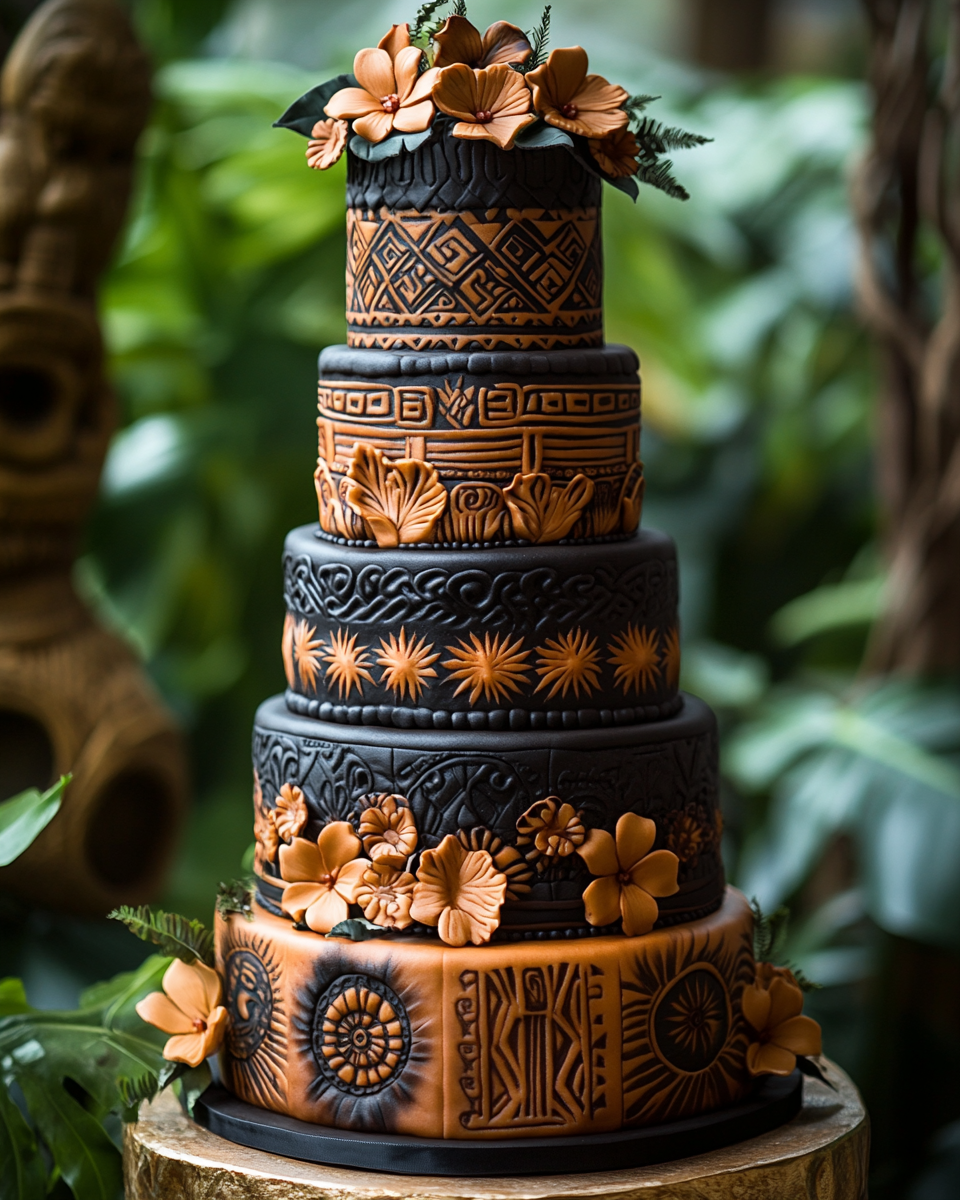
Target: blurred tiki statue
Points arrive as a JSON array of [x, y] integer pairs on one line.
[[75, 96]]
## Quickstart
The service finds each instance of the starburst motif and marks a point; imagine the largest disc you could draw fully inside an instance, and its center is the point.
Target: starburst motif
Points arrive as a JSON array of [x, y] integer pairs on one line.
[[348, 663], [306, 653], [570, 661], [670, 656], [636, 659], [286, 649], [406, 664], [697, 1016], [490, 668]]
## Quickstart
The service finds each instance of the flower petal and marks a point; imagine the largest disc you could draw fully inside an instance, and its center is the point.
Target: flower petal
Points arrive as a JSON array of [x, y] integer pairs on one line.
[[405, 68], [455, 927], [764, 1059], [596, 95], [638, 909], [561, 76], [504, 43], [349, 879], [338, 845], [786, 1001], [194, 988], [423, 90], [755, 1006], [502, 131], [374, 72], [413, 118], [352, 102], [657, 873], [599, 852], [301, 861], [395, 40], [799, 1035], [327, 910], [503, 91], [458, 42], [601, 900], [187, 1048], [635, 838], [215, 1032], [297, 898], [455, 93], [159, 1010], [375, 126]]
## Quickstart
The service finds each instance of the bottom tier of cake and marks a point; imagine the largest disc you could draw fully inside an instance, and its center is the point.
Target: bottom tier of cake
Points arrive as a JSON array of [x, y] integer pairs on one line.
[[526, 1039]]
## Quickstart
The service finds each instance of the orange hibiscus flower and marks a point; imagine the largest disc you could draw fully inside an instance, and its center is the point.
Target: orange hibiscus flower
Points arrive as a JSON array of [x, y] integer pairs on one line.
[[388, 830], [321, 878], [566, 96], [328, 140], [629, 875], [492, 103], [188, 1007], [616, 153], [772, 1006], [460, 891], [460, 42], [392, 95], [385, 895]]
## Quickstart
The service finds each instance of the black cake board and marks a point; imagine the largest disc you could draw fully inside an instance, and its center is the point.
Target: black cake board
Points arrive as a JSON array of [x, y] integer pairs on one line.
[[774, 1101]]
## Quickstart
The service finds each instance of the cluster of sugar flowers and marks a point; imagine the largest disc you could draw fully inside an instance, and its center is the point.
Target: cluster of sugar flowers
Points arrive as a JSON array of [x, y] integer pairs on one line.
[[493, 86]]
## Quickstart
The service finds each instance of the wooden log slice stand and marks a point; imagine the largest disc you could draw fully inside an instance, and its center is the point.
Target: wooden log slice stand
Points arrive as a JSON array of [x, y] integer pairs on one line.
[[820, 1155]]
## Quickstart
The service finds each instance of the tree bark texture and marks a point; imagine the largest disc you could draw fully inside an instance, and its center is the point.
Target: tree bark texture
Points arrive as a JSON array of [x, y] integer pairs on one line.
[[906, 197]]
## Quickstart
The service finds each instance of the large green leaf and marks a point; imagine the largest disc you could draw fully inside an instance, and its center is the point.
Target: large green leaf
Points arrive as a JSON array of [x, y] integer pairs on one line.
[[23, 818], [22, 1174]]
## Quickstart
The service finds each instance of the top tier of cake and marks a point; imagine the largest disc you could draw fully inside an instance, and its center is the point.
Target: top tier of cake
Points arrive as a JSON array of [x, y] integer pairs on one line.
[[460, 245]]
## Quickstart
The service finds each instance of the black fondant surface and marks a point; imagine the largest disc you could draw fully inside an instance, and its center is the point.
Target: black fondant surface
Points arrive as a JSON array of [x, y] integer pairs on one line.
[[449, 174], [532, 595], [460, 780], [605, 362], [773, 1102]]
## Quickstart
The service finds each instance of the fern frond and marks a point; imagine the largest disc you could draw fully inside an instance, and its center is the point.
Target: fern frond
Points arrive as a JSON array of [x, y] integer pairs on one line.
[[423, 20], [134, 1091], [680, 139], [234, 897], [659, 174], [175, 935], [538, 39], [459, 8], [635, 105]]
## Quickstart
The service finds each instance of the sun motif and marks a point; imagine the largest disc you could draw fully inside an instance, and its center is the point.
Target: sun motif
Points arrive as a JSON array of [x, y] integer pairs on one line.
[[488, 668], [306, 653], [670, 656], [636, 659], [570, 661], [348, 663], [697, 1017], [406, 664]]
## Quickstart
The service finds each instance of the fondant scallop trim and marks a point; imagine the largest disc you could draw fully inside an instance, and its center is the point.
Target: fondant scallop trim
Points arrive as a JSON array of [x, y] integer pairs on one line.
[[369, 544], [393, 717], [612, 360]]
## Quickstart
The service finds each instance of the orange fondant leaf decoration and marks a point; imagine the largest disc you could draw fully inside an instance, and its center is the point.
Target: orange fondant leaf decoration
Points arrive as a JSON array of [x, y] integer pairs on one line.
[[542, 511], [631, 499], [328, 502], [400, 501]]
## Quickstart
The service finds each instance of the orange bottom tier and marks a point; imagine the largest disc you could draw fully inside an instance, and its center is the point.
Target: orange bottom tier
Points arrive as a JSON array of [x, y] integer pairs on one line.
[[521, 1039]]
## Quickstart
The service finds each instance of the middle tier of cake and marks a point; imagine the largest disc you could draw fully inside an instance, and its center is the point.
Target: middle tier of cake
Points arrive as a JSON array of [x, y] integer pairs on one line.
[[522, 637], [483, 786]]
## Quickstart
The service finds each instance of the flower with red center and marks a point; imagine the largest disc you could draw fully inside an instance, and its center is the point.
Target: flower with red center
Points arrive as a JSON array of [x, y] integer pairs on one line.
[[616, 153], [566, 96], [392, 95], [189, 1008], [629, 875], [388, 830], [460, 42], [460, 891], [492, 103], [328, 140], [772, 1006], [321, 878]]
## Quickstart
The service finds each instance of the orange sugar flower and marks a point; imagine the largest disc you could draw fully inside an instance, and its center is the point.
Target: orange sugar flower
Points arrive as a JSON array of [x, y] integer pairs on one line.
[[492, 103], [188, 1007], [321, 878], [391, 95], [566, 96], [460, 42], [328, 139], [385, 895], [772, 1006], [460, 891], [616, 153], [388, 830], [629, 875], [290, 813]]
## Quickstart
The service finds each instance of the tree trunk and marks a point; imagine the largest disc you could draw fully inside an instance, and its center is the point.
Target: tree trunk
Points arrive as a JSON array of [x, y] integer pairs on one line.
[[906, 199]]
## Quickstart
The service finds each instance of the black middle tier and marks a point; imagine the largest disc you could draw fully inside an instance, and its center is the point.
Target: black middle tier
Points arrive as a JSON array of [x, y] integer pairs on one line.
[[471, 781], [524, 637]]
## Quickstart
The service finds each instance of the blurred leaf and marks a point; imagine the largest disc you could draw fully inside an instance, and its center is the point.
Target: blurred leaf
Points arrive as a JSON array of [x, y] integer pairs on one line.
[[23, 818], [13, 997], [22, 1176], [833, 606]]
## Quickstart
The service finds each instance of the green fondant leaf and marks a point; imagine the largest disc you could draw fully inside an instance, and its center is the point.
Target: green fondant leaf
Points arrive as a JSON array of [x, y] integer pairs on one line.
[[358, 929], [175, 935], [23, 818], [540, 134], [304, 113], [626, 184], [389, 148]]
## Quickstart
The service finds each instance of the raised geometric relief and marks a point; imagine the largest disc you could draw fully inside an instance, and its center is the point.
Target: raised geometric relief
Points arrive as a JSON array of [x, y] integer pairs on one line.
[[510, 277], [532, 1046], [361, 1034], [256, 1041]]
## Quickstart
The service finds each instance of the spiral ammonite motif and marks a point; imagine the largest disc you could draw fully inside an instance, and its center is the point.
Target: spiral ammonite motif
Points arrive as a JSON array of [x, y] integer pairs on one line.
[[361, 1034], [249, 999], [690, 1021]]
